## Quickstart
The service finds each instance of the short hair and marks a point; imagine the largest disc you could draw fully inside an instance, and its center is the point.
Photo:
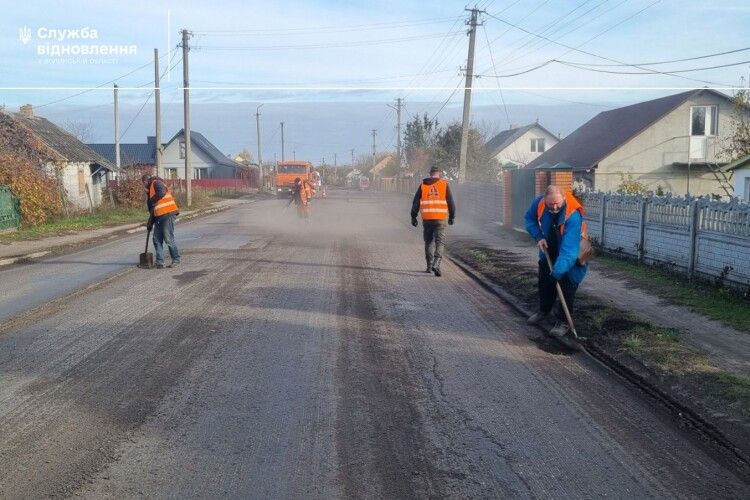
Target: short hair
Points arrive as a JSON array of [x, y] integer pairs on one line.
[[552, 189], [145, 177]]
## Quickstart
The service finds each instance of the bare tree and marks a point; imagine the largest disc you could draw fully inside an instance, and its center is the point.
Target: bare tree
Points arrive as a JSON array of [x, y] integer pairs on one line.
[[82, 130]]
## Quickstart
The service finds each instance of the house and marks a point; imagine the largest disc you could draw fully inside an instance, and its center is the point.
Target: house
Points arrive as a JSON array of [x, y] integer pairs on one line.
[[132, 155], [206, 160], [517, 146], [81, 171], [674, 142], [739, 171]]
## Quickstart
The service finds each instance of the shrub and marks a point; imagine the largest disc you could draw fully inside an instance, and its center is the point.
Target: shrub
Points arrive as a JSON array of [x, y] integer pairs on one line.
[[38, 192]]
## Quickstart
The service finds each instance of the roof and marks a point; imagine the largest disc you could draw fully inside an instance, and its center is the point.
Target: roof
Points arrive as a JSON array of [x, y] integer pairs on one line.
[[740, 163], [61, 142], [508, 137], [607, 131], [199, 140], [130, 154]]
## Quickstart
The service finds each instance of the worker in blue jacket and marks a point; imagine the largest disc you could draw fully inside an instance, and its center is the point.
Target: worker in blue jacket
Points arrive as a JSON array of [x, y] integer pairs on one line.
[[555, 221]]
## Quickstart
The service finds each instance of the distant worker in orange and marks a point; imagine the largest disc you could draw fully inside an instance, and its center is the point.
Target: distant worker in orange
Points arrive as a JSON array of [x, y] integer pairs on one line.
[[434, 200], [163, 210], [302, 193]]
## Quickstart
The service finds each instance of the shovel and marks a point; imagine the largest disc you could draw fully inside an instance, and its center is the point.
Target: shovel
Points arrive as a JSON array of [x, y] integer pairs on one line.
[[562, 300], [146, 259]]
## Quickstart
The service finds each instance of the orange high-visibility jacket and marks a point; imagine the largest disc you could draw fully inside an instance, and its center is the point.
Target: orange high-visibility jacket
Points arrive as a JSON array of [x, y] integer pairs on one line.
[[165, 205], [571, 205], [434, 202]]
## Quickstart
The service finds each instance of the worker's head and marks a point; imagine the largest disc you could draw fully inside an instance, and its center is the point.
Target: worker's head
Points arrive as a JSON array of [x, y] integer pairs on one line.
[[554, 199], [145, 179], [297, 180], [435, 172]]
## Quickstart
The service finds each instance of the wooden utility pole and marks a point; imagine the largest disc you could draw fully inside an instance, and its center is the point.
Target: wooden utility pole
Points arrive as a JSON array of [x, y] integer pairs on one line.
[[397, 107], [374, 133], [157, 101], [117, 127], [352, 158], [260, 159], [467, 95], [282, 141], [186, 98]]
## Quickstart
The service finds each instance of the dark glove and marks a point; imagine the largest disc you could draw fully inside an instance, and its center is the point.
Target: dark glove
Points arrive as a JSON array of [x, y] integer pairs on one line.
[[414, 222], [450, 222], [150, 223]]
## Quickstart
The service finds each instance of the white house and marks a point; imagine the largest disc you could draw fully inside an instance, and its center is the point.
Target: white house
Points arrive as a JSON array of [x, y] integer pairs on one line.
[[673, 142], [206, 160], [520, 145], [82, 172]]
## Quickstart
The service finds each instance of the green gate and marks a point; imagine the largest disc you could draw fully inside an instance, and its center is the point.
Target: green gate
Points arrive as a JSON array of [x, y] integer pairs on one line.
[[523, 193], [10, 216]]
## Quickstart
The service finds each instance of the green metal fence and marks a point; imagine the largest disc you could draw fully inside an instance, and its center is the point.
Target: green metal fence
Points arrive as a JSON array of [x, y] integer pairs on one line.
[[10, 216]]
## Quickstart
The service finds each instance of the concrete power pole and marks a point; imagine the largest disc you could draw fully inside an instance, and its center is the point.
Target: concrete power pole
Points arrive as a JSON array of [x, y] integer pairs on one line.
[[352, 158], [260, 159], [467, 95], [186, 98], [282, 141], [117, 127], [374, 133], [157, 101], [397, 107]]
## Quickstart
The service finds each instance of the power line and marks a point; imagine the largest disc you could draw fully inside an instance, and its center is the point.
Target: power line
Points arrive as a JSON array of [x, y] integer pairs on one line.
[[344, 44], [136, 115], [327, 29], [447, 100], [505, 108], [654, 63], [587, 68]]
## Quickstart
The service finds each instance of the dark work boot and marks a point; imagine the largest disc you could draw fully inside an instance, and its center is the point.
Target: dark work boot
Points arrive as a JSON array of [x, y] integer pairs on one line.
[[429, 267], [436, 266]]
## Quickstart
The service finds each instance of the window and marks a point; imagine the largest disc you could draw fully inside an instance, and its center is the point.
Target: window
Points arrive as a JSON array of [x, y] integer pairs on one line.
[[747, 188], [537, 145], [292, 169], [200, 173], [182, 150], [171, 173], [81, 182], [703, 120]]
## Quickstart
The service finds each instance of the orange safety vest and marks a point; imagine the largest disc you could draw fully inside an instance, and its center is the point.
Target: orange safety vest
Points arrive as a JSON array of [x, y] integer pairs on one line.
[[166, 205], [571, 205], [434, 205]]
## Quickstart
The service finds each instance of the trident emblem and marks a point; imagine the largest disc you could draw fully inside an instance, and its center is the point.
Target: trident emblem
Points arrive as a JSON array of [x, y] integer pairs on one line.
[[24, 34]]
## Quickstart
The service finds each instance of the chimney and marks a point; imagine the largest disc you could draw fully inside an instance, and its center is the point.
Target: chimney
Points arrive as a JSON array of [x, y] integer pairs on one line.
[[27, 110], [151, 140]]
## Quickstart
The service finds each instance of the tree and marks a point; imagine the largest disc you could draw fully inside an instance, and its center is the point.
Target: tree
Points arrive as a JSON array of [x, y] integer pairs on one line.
[[628, 185], [247, 156], [419, 137], [80, 129], [738, 144], [447, 149]]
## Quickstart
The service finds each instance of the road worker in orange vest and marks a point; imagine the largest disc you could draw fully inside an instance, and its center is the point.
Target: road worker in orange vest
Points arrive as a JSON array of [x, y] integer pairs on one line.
[[435, 202], [555, 221], [302, 193], [163, 210]]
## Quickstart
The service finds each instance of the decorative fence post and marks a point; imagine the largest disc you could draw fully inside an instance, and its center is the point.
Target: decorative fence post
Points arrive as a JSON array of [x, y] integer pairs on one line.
[[642, 229], [507, 199], [602, 219], [694, 227]]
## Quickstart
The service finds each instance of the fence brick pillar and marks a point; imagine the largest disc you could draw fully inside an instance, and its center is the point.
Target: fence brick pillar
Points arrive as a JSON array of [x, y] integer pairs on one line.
[[561, 175], [507, 177], [541, 181]]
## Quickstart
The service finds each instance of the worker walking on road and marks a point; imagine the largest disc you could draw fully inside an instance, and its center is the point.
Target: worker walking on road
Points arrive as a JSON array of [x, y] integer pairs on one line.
[[555, 221], [434, 200], [163, 210], [302, 194]]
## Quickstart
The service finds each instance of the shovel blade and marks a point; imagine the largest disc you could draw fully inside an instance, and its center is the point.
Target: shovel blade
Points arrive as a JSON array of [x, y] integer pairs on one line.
[[146, 260]]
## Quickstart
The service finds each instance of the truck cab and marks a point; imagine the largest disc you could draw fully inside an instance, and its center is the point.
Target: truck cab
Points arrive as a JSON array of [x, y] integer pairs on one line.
[[286, 172]]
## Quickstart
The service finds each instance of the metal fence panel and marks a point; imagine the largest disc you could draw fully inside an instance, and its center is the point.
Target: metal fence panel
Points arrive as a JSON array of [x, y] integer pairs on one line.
[[524, 192], [10, 216]]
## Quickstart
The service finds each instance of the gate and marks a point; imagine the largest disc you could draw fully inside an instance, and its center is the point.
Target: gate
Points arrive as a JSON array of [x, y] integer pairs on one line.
[[10, 216], [523, 193]]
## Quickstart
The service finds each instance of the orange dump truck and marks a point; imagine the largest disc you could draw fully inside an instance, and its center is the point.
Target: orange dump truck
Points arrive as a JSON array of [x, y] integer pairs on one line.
[[287, 171]]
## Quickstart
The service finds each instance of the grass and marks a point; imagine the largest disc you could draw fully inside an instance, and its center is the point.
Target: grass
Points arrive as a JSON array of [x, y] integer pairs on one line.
[[721, 304], [78, 222], [735, 387]]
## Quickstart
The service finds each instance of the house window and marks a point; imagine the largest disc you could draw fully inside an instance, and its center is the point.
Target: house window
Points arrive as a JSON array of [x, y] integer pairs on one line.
[[200, 173], [537, 145], [171, 173], [747, 189], [182, 150], [703, 120], [81, 182]]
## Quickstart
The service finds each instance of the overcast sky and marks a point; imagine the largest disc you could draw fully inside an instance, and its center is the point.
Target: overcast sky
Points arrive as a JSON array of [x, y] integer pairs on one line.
[[358, 47]]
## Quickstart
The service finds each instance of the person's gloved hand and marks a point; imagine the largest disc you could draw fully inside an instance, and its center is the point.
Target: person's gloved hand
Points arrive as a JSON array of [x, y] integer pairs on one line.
[[414, 222], [150, 223], [450, 222]]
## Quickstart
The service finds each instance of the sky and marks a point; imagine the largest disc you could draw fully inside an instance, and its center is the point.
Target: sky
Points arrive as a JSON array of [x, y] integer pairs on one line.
[[331, 52]]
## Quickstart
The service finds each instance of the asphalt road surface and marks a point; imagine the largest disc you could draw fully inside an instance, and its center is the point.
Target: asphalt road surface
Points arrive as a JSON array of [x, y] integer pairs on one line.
[[286, 359]]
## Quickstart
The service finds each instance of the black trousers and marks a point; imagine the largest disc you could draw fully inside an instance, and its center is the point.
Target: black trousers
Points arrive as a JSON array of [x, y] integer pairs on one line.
[[548, 292], [434, 235]]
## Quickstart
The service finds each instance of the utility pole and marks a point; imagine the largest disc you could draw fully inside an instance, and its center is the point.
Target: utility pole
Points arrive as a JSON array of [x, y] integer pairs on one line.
[[186, 99], [352, 158], [282, 141], [294, 155], [260, 159], [117, 127], [467, 95], [374, 133], [397, 107], [157, 101]]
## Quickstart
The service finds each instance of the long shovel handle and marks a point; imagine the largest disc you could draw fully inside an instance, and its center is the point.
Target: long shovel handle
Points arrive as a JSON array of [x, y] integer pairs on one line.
[[148, 236], [562, 298]]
